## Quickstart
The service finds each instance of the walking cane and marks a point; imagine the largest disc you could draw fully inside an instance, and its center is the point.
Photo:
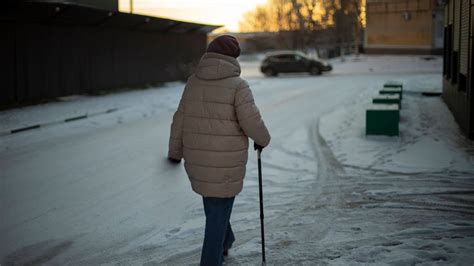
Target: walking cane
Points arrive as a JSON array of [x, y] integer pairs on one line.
[[259, 151]]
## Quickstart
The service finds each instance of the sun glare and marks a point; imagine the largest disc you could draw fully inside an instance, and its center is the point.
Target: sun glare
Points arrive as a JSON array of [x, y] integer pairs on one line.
[[219, 12]]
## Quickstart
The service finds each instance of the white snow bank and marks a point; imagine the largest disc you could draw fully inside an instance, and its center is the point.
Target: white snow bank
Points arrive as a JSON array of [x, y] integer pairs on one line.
[[408, 199], [430, 139], [139, 102], [385, 64]]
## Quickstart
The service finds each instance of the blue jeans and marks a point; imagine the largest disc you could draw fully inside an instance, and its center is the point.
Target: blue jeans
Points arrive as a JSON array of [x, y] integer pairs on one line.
[[218, 233]]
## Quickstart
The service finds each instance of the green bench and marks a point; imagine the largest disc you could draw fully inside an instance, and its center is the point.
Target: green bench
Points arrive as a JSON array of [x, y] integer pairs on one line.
[[392, 91], [382, 119], [393, 84], [391, 87], [388, 99]]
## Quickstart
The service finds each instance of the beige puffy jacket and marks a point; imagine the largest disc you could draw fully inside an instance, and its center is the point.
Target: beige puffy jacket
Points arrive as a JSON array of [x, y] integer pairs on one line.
[[210, 129]]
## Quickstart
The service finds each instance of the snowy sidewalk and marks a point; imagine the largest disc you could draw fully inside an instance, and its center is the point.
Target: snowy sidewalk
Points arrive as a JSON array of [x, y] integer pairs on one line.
[[430, 139], [409, 199], [129, 105], [102, 189]]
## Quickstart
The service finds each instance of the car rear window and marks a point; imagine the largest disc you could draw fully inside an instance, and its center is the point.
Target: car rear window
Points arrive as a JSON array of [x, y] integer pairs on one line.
[[284, 57]]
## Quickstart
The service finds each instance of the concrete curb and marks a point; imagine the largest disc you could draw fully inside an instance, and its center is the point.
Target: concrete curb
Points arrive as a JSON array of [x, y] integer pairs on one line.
[[46, 124]]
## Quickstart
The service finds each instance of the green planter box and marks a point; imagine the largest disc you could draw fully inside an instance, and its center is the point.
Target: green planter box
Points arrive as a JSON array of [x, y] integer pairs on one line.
[[398, 91], [393, 84], [382, 119], [388, 99]]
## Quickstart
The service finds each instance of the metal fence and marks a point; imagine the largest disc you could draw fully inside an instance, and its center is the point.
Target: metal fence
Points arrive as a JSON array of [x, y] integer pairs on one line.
[[51, 50]]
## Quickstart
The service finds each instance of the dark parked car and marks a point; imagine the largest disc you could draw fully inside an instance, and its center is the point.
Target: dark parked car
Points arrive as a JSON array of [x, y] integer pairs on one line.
[[292, 61]]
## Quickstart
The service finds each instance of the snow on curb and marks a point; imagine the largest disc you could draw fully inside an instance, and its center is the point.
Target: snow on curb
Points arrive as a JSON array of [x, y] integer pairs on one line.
[[429, 140], [139, 103], [406, 199], [66, 120]]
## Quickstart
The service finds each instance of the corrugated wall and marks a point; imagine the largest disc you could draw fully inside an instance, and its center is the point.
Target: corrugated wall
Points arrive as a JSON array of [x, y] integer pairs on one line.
[[457, 12], [8, 65], [464, 37], [450, 6], [46, 61]]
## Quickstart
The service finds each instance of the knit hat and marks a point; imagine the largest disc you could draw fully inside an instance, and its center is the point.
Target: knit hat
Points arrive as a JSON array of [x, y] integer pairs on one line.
[[226, 45]]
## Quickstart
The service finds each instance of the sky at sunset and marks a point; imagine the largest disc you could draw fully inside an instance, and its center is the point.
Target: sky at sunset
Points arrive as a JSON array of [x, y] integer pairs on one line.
[[220, 12]]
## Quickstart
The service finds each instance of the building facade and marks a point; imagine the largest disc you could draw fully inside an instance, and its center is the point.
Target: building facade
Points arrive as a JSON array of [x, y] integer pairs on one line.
[[404, 26], [54, 49], [458, 56]]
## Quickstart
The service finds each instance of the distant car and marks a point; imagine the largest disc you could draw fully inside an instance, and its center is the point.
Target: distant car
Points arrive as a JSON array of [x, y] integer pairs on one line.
[[291, 62]]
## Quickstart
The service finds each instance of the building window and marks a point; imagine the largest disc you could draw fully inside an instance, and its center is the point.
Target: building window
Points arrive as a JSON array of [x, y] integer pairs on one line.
[[445, 65], [454, 67], [471, 77], [462, 82], [449, 50]]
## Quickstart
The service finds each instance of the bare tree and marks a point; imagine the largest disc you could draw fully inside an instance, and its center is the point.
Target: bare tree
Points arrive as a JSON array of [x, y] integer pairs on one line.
[[297, 7], [354, 10], [357, 5], [260, 20], [304, 18]]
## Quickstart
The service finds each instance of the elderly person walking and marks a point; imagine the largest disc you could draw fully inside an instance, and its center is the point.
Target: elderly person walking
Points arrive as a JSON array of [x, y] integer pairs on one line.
[[210, 130]]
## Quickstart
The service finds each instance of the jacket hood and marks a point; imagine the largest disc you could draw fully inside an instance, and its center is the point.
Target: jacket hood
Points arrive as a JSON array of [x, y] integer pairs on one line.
[[217, 66]]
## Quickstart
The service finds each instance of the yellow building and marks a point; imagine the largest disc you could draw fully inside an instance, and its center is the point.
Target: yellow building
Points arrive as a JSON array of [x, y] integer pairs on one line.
[[404, 26]]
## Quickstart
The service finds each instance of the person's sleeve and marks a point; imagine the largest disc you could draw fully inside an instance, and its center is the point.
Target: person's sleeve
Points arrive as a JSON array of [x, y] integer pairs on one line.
[[175, 150], [249, 116]]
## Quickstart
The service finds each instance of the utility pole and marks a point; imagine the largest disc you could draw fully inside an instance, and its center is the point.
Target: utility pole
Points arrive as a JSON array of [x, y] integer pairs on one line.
[[131, 6]]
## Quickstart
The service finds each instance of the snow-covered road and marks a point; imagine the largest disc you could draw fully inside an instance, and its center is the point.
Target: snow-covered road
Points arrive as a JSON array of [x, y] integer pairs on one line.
[[100, 191]]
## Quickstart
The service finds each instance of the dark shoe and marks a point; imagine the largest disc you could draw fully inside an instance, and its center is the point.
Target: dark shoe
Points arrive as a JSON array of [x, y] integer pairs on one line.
[[226, 252], [174, 161]]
